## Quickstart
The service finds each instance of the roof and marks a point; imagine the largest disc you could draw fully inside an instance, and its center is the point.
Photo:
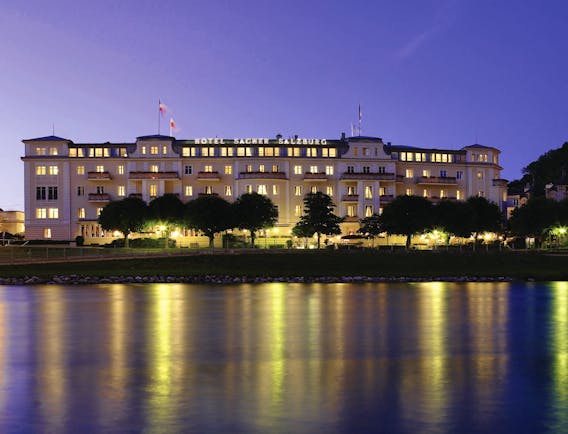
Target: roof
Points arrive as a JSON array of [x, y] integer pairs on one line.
[[478, 146], [48, 139], [155, 137], [389, 148], [365, 138]]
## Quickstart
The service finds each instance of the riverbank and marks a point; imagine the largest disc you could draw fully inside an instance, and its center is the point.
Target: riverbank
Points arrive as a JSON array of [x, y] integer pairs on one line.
[[313, 266]]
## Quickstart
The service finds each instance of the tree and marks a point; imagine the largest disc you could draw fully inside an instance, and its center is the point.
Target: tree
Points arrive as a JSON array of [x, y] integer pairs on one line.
[[127, 215], [371, 226], [209, 214], [167, 211], [535, 217], [318, 216], [455, 217], [407, 215], [486, 216], [253, 212]]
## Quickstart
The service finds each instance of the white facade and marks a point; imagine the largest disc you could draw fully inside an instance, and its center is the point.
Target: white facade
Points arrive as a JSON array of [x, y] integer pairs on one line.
[[66, 184]]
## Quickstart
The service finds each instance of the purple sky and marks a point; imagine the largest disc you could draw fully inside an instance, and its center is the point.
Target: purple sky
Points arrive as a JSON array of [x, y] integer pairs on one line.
[[433, 73]]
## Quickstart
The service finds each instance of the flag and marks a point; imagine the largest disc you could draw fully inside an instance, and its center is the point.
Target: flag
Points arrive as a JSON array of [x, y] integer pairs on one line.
[[172, 124], [161, 107], [360, 113]]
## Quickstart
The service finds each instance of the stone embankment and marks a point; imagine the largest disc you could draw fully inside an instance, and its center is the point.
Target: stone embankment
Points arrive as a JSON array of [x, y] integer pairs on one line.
[[211, 279]]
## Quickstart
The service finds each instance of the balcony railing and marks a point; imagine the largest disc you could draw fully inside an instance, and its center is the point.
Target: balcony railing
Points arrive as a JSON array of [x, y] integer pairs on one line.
[[350, 198], [99, 197], [369, 176], [320, 176], [262, 175], [153, 175], [136, 195], [351, 219], [207, 194], [499, 183], [98, 176], [386, 197], [208, 176], [439, 180]]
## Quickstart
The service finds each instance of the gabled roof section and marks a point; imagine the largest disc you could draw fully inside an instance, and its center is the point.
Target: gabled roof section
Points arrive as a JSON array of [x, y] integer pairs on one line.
[[156, 137], [478, 146], [48, 139]]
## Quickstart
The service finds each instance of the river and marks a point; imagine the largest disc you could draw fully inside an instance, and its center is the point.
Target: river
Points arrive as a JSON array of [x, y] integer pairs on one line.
[[432, 357]]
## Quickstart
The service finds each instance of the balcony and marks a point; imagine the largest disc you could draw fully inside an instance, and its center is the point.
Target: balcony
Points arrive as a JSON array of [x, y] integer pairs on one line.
[[320, 176], [351, 219], [347, 176], [207, 194], [99, 197], [350, 198], [208, 176], [99, 176], [438, 180], [386, 197], [499, 183], [262, 175], [138, 176], [136, 195]]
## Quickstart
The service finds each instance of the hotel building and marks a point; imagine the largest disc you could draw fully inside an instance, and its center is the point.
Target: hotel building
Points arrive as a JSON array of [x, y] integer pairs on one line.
[[67, 184]]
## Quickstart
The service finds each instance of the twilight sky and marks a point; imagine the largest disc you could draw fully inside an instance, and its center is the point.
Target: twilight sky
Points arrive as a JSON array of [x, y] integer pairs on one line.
[[432, 73]]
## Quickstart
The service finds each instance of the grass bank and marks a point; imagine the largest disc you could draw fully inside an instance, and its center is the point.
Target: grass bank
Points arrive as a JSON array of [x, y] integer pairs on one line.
[[535, 265]]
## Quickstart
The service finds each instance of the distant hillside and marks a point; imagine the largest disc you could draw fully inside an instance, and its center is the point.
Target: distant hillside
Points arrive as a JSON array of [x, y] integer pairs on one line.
[[550, 167]]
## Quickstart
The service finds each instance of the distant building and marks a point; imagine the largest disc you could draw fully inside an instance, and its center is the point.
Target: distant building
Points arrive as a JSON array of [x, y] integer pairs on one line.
[[67, 184], [12, 222]]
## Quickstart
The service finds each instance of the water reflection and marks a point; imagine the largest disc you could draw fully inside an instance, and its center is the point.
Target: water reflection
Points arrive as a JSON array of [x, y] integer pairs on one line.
[[430, 357]]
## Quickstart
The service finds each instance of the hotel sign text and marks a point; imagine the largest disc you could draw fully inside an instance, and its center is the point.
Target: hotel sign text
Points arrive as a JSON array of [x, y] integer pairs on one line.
[[259, 141]]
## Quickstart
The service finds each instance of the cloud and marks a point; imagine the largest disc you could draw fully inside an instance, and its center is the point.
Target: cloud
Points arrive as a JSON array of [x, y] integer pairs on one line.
[[444, 16]]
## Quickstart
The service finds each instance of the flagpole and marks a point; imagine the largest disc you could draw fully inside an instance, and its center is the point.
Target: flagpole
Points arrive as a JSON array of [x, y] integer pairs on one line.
[[159, 115]]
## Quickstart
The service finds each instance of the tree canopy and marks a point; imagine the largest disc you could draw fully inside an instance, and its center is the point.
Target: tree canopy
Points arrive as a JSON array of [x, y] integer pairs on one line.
[[253, 212], [127, 215], [536, 216], [454, 217], [407, 215], [167, 211], [209, 214], [486, 216], [318, 217]]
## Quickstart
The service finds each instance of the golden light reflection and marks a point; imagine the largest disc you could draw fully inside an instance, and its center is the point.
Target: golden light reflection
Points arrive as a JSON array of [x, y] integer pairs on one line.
[[559, 331], [4, 332], [278, 336], [51, 342]]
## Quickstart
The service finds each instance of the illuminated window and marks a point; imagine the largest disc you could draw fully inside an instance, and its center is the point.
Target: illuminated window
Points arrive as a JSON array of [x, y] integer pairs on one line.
[[368, 210], [120, 169], [72, 152], [81, 213], [261, 168], [269, 152], [154, 168], [481, 193], [53, 170], [458, 194], [298, 210], [329, 170], [100, 189], [143, 150], [351, 190], [275, 190], [227, 152], [261, 189], [249, 168], [426, 173], [275, 168], [351, 210], [80, 170], [297, 190], [293, 152], [53, 150], [47, 232], [425, 193], [248, 188], [228, 170], [332, 152], [409, 191], [208, 168], [297, 170], [382, 191], [409, 173], [403, 156], [261, 152], [121, 191], [368, 192], [153, 150], [311, 152], [442, 193], [153, 189], [188, 190], [365, 152], [99, 169], [228, 190], [479, 174], [40, 151], [40, 170], [41, 213], [329, 190], [207, 152], [313, 169], [164, 149], [99, 211], [240, 152], [325, 152]]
